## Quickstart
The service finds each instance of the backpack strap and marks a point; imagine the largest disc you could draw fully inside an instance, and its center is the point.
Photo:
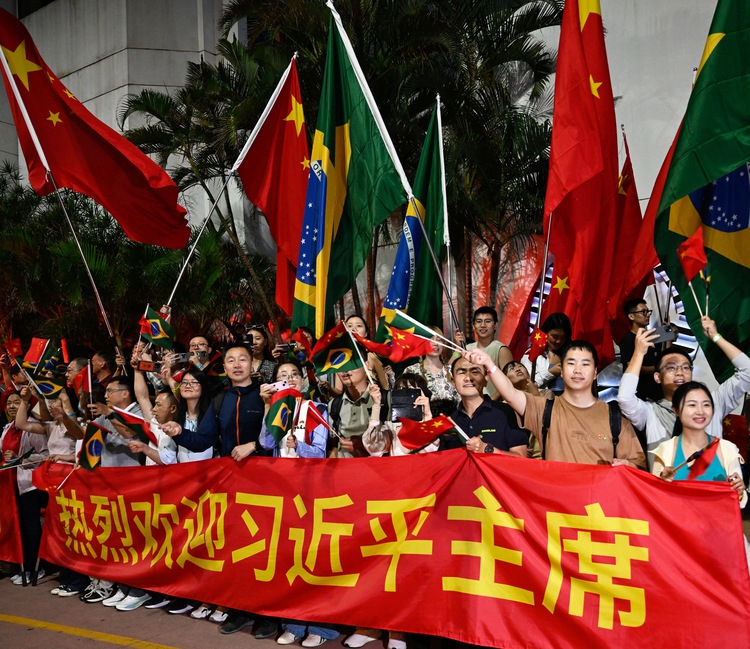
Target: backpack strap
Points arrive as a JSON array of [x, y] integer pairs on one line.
[[217, 402], [334, 412], [615, 424], [546, 420]]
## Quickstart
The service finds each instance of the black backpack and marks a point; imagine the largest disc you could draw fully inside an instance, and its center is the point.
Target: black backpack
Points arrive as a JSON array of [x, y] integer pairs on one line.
[[615, 424]]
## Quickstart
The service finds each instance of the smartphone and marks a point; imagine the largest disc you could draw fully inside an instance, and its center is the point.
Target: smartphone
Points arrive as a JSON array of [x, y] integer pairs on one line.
[[284, 347], [280, 385], [666, 334], [402, 405], [149, 366], [182, 358], [202, 355]]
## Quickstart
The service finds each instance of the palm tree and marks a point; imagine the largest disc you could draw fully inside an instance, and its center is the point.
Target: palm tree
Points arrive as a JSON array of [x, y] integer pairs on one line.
[[489, 65]]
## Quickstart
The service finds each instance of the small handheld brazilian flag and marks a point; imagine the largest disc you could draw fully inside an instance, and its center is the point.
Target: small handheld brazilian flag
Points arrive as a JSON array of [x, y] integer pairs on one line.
[[280, 417], [335, 352], [90, 456], [49, 387], [156, 329]]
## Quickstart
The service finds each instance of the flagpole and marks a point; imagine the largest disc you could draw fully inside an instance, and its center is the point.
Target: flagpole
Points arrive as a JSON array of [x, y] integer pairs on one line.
[[541, 286], [43, 158], [361, 358], [426, 240], [444, 191], [197, 239]]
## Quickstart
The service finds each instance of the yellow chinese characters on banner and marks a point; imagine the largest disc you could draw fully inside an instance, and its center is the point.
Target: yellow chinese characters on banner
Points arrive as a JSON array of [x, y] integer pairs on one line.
[[463, 538]]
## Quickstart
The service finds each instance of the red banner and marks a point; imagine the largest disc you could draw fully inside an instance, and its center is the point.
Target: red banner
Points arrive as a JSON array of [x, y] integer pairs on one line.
[[10, 531], [485, 549]]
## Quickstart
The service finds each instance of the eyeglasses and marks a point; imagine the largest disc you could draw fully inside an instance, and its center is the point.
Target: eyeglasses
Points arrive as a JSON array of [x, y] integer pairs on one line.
[[643, 311], [671, 368], [190, 384], [111, 390], [287, 377], [198, 346], [486, 321]]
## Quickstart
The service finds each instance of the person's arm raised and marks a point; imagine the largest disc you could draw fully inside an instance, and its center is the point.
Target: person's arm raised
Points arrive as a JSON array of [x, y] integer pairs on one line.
[[516, 399]]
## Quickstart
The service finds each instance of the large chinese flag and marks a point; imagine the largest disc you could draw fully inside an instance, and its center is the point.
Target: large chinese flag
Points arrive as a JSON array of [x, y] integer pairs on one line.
[[580, 209], [10, 530], [83, 153], [274, 167], [628, 260]]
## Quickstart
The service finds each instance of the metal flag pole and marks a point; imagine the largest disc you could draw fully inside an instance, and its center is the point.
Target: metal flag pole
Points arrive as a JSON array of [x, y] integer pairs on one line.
[[541, 286]]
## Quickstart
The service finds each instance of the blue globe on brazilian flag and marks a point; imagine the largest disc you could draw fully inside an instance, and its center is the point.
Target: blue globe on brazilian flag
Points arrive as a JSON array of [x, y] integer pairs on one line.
[[335, 352]]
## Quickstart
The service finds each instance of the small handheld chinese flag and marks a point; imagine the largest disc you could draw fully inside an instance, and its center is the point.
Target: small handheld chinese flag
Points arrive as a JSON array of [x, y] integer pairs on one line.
[[703, 459], [416, 434], [538, 344], [692, 254], [313, 419]]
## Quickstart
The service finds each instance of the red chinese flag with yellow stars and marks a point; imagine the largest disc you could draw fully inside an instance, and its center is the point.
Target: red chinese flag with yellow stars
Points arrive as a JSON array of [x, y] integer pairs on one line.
[[626, 262], [416, 434], [83, 153], [538, 344], [580, 209], [274, 166], [692, 254]]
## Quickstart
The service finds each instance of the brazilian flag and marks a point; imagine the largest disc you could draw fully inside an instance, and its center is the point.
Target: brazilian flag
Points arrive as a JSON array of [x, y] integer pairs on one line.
[[280, 417], [49, 387], [353, 186], [707, 185], [93, 444], [415, 285], [335, 352], [157, 330]]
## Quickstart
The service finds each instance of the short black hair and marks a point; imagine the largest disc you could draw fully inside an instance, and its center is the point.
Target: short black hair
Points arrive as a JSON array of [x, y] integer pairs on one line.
[[632, 304], [583, 345], [107, 357], [237, 346], [124, 382], [485, 309], [674, 349]]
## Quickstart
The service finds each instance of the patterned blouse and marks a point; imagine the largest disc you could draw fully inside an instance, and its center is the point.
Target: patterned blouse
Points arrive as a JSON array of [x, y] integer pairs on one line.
[[439, 384]]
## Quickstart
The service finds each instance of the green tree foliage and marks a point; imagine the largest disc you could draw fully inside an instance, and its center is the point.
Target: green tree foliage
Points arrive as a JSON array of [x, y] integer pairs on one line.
[[47, 293]]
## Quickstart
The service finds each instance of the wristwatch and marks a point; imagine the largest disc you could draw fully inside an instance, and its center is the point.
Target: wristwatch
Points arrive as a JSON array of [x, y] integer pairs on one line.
[[489, 448], [111, 416]]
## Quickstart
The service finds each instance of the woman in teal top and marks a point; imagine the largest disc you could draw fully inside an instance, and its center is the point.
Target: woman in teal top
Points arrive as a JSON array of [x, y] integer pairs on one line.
[[694, 407]]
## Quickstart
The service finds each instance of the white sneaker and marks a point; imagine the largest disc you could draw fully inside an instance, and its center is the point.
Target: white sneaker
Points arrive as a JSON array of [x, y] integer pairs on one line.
[[356, 640], [132, 602], [396, 644], [18, 579], [313, 640], [114, 599], [218, 616], [200, 613], [286, 638]]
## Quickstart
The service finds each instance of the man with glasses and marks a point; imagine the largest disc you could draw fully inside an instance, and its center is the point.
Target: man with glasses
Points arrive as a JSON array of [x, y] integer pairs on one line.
[[673, 368], [638, 315], [200, 351], [485, 324]]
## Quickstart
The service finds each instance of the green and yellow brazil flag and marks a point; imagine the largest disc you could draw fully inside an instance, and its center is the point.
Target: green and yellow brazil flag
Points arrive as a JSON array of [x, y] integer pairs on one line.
[[353, 186], [708, 184]]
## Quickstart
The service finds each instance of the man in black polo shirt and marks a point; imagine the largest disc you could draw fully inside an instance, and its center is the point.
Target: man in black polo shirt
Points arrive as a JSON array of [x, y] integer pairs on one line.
[[490, 425]]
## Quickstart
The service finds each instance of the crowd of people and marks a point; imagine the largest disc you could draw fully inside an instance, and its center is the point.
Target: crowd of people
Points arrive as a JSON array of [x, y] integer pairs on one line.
[[548, 409]]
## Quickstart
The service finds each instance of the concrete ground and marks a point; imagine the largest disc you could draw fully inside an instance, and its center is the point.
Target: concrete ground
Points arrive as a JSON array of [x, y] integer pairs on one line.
[[32, 618]]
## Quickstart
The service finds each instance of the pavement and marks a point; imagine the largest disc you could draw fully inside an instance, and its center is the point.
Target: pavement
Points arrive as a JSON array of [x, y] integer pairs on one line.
[[32, 618]]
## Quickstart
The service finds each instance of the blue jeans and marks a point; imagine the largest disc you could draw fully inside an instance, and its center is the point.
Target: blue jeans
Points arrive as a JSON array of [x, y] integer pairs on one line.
[[298, 630]]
